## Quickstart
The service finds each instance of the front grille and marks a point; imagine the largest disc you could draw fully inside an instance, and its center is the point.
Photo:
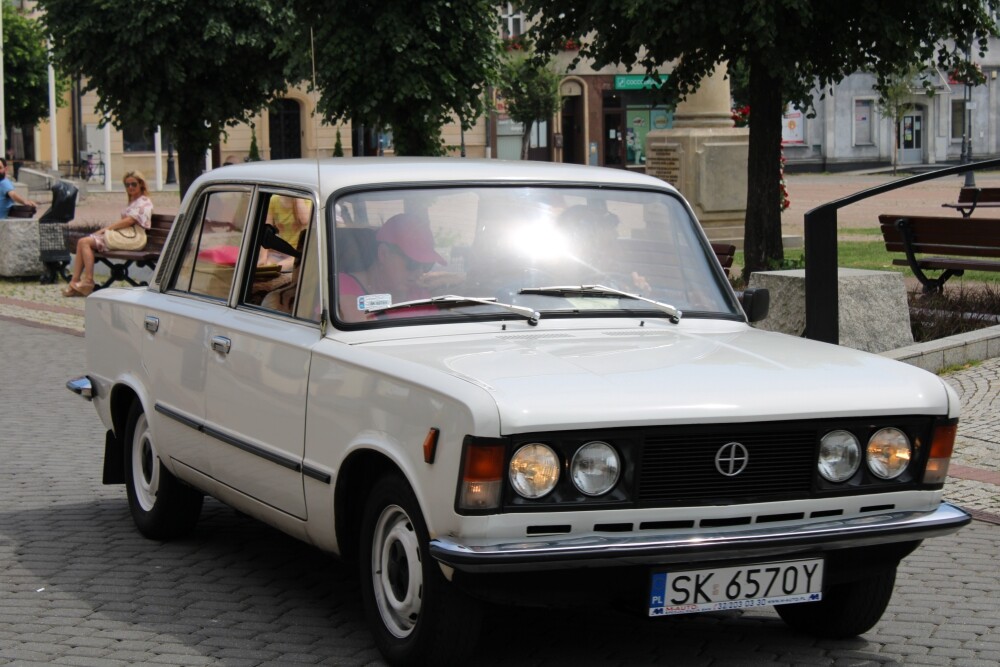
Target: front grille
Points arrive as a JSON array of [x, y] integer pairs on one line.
[[680, 469]]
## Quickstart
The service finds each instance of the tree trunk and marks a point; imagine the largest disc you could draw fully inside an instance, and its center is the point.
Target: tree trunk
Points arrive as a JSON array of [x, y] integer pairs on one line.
[[762, 246], [526, 140], [190, 162]]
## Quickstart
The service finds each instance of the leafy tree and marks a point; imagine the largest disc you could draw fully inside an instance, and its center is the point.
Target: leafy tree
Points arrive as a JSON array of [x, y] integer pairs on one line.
[[894, 93], [531, 92], [338, 147], [254, 153], [25, 70], [787, 46], [404, 64], [192, 66]]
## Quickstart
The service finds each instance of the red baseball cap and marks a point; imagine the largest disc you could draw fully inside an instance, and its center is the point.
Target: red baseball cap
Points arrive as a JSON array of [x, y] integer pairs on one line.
[[412, 236]]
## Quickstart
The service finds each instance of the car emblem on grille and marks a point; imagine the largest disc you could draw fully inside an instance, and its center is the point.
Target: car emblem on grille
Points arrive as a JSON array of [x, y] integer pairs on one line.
[[731, 459]]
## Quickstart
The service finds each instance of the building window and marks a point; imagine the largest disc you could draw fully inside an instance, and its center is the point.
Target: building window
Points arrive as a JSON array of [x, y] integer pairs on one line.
[[138, 139], [957, 119], [511, 20], [863, 135]]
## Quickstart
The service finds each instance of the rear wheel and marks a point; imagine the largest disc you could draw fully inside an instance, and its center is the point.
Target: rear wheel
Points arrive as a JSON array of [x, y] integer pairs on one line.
[[417, 617], [161, 506], [846, 610]]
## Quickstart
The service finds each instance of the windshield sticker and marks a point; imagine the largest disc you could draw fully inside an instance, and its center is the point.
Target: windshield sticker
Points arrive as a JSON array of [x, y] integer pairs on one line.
[[368, 302]]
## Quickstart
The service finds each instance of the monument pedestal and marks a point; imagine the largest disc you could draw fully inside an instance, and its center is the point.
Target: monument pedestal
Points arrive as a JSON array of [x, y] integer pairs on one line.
[[709, 167], [705, 157]]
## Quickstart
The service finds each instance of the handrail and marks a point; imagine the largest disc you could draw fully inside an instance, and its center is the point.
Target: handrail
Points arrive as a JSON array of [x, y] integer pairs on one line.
[[820, 228]]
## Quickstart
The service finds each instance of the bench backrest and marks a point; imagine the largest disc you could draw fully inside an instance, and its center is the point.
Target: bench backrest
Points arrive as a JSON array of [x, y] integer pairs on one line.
[[979, 195], [968, 237], [724, 252], [159, 228]]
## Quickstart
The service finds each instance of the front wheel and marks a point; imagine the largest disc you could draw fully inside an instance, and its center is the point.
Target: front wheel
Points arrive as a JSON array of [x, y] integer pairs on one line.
[[161, 506], [846, 610], [417, 617]]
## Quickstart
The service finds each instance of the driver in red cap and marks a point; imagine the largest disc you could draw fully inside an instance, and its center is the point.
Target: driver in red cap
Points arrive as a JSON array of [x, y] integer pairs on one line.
[[404, 253]]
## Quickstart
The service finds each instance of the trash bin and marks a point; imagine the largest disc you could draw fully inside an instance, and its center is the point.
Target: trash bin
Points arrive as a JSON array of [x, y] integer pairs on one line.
[[53, 252]]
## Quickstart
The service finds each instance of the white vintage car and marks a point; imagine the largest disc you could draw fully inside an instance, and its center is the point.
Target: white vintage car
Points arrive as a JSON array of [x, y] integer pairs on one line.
[[521, 382]]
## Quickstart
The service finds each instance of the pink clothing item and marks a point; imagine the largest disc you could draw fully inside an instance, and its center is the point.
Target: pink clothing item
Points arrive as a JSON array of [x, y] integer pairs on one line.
[[139, 209], [351, 288]]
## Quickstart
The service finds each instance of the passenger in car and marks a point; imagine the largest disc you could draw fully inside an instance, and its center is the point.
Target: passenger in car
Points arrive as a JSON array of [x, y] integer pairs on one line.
[[404, 252], [289, 215]]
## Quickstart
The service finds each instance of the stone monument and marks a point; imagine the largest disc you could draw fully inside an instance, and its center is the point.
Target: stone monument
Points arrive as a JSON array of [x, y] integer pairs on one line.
[[705, 157]]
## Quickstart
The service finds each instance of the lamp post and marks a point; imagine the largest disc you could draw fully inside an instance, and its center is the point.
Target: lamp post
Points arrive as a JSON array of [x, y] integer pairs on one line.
[[171, 175], [970, 177]]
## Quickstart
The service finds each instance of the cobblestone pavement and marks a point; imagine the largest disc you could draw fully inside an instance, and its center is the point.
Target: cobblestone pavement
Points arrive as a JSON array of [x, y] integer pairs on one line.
[[79, 585]]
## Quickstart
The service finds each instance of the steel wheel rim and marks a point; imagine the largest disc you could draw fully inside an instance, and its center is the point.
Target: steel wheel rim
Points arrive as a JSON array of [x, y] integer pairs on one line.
[[397, 577], [145, 465]]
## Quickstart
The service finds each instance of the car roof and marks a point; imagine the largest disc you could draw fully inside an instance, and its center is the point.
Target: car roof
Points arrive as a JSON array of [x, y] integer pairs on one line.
[[337, 173]]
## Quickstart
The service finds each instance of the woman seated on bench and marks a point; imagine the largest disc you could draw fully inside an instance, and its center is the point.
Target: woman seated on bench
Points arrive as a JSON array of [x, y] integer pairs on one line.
[[138, 211]]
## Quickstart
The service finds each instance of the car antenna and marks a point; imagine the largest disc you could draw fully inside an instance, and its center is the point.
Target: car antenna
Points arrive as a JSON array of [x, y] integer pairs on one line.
[[324, 316]]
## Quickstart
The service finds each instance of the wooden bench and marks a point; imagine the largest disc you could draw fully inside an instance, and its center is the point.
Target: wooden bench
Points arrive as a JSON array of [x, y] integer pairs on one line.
[[949, 245], [724, 252], [120, 262], [971, 198]]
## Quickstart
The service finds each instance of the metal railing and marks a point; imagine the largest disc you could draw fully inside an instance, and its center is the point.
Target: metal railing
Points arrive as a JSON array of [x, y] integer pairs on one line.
[[822, 298]]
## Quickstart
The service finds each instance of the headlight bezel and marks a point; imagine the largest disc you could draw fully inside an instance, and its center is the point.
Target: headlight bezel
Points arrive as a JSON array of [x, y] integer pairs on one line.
[[565, 496]]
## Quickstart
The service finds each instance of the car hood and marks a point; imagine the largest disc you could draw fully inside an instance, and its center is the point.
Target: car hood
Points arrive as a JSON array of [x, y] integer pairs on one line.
[[571, 379]]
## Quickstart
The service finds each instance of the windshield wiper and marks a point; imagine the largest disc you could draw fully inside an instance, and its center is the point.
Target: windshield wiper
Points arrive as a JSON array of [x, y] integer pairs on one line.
[[452, 300], [594, 290]]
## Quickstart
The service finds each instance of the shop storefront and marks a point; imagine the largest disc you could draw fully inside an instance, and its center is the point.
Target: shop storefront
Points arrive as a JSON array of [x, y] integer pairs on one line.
[[630, 111]]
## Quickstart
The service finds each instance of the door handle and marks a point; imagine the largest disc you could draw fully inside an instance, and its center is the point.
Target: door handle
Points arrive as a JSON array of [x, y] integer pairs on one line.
[[151, 323], [221, 344]]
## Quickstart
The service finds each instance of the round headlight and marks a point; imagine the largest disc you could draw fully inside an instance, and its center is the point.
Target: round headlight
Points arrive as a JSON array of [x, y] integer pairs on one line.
[[839, 456], [595, 468], [888, 453], [534, 470]]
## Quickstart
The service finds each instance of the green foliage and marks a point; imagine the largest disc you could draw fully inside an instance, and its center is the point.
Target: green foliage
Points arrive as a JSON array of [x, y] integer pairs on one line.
[[894, 93], [254, 154], [338, 147], [531, 92], [193, 67], [405, 64], [788, 47], [25, 70]]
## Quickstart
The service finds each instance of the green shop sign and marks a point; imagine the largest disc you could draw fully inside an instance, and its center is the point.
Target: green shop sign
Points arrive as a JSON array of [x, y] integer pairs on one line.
[[637, 82]]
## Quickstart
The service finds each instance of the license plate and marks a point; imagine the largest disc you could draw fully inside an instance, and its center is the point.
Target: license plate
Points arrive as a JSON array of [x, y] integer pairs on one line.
[[743, 587]]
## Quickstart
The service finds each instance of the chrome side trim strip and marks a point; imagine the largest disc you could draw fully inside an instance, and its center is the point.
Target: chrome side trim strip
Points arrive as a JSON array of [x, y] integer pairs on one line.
[[283, 461], [568, 552]]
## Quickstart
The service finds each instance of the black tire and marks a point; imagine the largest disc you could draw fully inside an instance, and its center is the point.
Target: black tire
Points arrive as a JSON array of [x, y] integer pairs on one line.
[[416, 616], [161, 506], [846, 610]]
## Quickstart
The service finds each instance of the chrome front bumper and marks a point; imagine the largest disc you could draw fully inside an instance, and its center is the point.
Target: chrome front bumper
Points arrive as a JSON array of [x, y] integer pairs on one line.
[[664, 547]]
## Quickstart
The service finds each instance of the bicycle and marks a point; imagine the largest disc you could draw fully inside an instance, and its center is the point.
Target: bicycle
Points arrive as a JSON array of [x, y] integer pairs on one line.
[[91, 170]]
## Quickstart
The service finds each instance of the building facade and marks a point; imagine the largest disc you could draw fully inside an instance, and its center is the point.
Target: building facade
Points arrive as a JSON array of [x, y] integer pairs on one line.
[[944, 122]]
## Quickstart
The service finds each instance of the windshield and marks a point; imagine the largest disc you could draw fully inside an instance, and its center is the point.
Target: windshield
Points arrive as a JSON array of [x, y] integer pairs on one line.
[[490, 248]]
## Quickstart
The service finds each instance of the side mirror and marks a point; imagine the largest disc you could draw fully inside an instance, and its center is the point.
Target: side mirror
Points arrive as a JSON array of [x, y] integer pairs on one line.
[[755, 301]]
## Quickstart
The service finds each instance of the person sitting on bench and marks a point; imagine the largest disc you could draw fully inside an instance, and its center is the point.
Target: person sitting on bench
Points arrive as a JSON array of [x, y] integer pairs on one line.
[[138, 211]]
